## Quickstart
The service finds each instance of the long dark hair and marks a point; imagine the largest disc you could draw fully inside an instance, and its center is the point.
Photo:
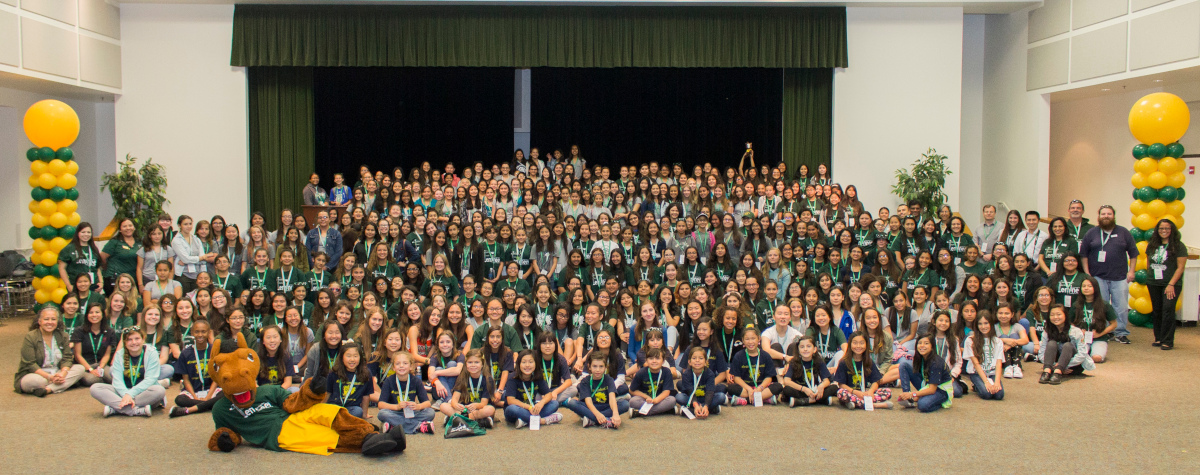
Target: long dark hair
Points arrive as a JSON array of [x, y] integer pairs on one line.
[[848, 360], [281, 354], [1099, 308], [1052, 330], [360, 371], [1155, 241]]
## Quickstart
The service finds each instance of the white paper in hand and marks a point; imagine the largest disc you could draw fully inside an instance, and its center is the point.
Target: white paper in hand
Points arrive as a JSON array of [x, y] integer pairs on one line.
[[688, 412], [535, 422], [870, 404], [409, 413], [757, 399], [645, 409]]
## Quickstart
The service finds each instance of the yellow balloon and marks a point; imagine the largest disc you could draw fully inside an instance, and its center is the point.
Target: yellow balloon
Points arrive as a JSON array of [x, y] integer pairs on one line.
[[33, 181], [1142, 221], [1175, 208], [1137, 207], [1142, 305], [1141, 264], [58, 220], [1138, 180], [49, 256], [58, 294], [1156, 180], [58, 243], [36, 259], [1168, 165], [41, 296], [68, 181], [38, 167], [47, 206], [72, 167], [50, 282], [51, 123], [56, 167], [33, 206], [1159, 118], [1146, 165], [74, 219], [1176, 180], [67, 206], [1178, 220], [39, 220], [1156, 208], [1178, 305], [47, 181], [1141, 247], [40, 245]]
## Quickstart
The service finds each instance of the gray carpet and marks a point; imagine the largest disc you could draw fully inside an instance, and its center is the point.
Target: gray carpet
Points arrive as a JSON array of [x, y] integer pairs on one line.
[[1136, 413]]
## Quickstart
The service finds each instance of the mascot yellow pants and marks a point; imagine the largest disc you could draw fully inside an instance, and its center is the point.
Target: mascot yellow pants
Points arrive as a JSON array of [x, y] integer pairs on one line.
[[309, 431]]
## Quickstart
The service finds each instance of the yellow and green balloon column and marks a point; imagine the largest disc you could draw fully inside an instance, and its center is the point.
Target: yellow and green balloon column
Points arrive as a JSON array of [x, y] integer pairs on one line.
[[1157, 121], [52, 126]]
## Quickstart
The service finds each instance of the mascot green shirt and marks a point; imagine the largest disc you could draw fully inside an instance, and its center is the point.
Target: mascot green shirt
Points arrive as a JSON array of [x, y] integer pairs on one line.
[[259, 424]]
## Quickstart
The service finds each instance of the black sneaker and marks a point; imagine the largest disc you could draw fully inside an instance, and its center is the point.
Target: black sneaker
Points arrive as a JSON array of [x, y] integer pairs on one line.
[[1056, 379], [39, 392], [1122, 339], [486, 422], [177, 411]]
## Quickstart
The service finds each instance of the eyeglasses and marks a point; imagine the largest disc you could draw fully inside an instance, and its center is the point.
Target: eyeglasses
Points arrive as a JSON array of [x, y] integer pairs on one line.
[[129, 330]]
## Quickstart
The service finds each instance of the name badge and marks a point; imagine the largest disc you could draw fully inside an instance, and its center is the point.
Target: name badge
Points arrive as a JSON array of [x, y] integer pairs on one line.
[[535, 422], [409, 413], [1087, 338], [1067, 301], [1100, 256], [869, 403], [688, 412], [1158, 273], [645, 409], [758, 399]]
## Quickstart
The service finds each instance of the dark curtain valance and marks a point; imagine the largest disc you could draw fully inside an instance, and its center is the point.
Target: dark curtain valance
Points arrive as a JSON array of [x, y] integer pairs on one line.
[[532, 36]]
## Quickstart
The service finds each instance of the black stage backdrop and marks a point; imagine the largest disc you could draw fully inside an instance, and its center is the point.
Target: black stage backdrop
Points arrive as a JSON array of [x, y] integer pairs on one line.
[[623, 116], [397, 117]]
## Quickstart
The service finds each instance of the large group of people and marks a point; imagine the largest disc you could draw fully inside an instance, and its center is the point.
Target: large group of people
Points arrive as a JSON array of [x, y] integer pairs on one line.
[[520, 288]]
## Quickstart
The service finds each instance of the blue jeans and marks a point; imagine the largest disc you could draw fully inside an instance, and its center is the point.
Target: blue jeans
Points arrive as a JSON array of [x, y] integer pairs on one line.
[[1116, 292], [355, 411], [910, 377], [981, 388], [513, 413], [580, 408], [718, 399], [409, 425]]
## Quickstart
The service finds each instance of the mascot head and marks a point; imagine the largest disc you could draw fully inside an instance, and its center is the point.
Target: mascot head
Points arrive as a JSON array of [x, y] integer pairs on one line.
[[234, 368]]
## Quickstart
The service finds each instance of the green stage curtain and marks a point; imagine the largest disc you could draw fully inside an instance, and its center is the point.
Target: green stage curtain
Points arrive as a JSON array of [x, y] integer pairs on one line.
[[807, 118], [533, 36], [281, 139]]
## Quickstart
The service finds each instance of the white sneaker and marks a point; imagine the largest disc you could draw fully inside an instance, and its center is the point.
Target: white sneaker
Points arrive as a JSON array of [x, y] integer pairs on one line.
[[1008, 372], [143, 411], [108, 411], [1017, 374], [552, 419], [587, 423], [520, 423]]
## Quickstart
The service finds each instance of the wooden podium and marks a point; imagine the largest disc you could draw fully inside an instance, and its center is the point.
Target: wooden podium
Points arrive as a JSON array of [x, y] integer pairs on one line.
[[311, 211]]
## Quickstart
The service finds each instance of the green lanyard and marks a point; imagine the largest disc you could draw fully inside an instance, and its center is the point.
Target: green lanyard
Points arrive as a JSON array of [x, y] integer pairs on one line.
[[222, 284], [858, 373], [407, 384], [473, 387], [529, 391], [594, 387], [201, 363], [135, 372], [96, 345], [654, 383], [547, 373], [754, 371], [809, 378]]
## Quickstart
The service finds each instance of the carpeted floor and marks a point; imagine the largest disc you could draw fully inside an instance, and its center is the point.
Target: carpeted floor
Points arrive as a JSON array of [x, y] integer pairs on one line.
[[1134, 414]]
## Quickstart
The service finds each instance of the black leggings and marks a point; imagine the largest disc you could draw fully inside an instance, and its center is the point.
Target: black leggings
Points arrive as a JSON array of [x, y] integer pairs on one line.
[[197, 405], [1163, 315], [790, 393], [1058, 355]]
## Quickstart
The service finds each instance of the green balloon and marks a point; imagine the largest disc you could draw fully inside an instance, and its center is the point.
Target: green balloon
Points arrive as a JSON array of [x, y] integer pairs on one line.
[[1138, 318], [1141, 276], [41, 270], [48, 232], [32, 154], [1157, 150], [46, 153], [66, 232], [39, 194], [1147, 194], [1168, 194], [1175, 150], [57, 193], [1139, 151], [65, 154], [34, 232], [72, 194], [1179, 193]]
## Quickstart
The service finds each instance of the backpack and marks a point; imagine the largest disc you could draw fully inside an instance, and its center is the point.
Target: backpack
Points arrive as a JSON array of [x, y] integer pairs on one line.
[[11, 262], [459, 425]]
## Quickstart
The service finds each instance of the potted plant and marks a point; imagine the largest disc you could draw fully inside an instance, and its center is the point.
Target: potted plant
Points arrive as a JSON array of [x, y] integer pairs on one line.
[[925, 183], [137, 193]]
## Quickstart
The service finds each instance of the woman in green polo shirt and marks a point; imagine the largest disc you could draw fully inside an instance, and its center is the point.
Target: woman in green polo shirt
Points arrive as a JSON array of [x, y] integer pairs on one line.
[[120, 254], [80, 257]]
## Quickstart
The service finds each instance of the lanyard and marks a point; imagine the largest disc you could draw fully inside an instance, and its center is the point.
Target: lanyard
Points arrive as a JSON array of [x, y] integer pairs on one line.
[[262, 276], [728, 344], [548, 373], [96, 345], [201, 363], [695, 386], [941, 346], [135, 372], [858, 373], [407, 384], [347, 390], [473, 386], [529, 391], [824, 342], [287, 280], [594, 387], [809, 378], [1104, 237], [754, 371], [654, 383], [222, 284]]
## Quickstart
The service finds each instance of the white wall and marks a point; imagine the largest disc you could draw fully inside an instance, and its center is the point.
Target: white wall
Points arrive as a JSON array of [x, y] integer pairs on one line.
[[1091, 160], [1016, 123], [93, 152], [185, 106], [970, 171], [900, 95]]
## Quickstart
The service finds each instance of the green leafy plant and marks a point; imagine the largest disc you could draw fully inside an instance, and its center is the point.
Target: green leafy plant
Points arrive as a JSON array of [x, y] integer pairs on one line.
[[925, 183], [137, 193]]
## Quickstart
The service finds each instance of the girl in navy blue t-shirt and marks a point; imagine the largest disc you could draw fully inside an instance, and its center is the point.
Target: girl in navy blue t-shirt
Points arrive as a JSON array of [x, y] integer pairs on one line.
[[699, 396], [349, 383], [858, 377], [528, 394], [806, 379], [753, 372], [472, 390]]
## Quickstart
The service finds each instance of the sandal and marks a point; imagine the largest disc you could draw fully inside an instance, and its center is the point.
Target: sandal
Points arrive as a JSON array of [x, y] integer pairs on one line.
[[1157, 343], [1167, 347]]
